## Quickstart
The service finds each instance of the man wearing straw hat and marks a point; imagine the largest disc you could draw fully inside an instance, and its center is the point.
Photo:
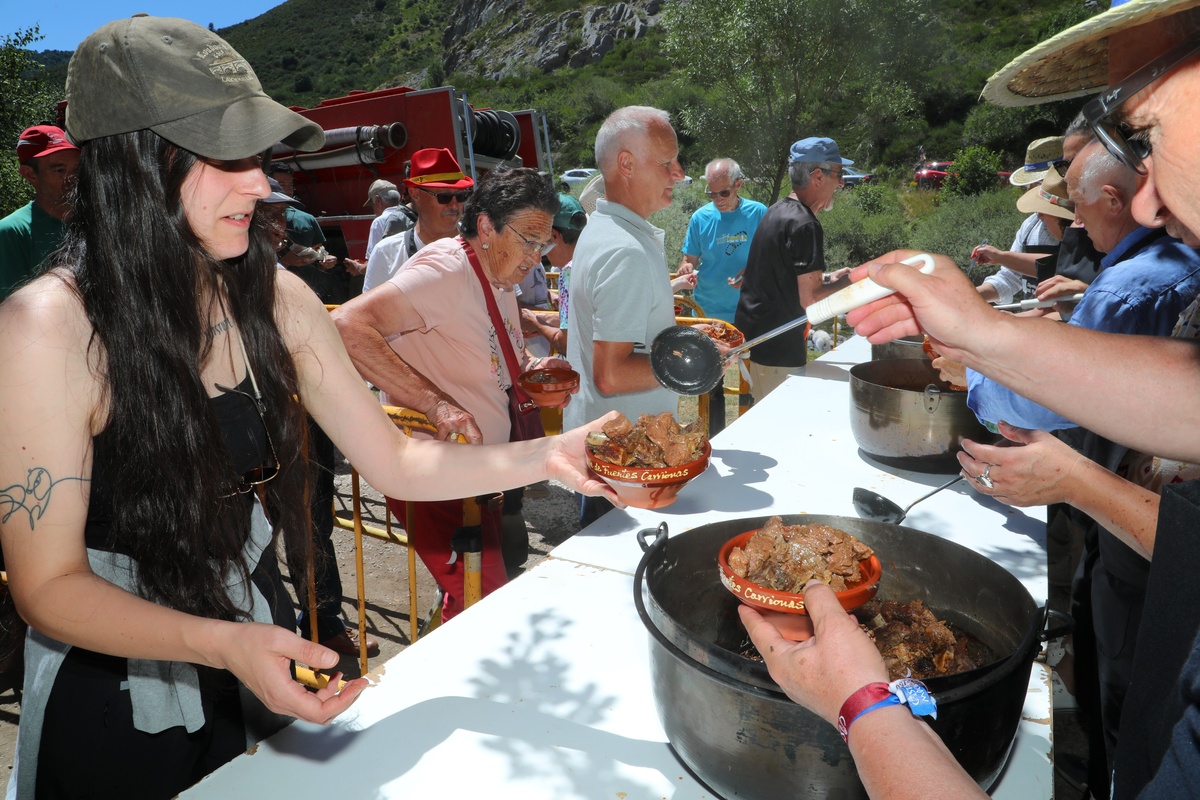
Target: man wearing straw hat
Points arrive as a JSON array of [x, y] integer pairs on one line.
[[1142, 54], [1032, 241]]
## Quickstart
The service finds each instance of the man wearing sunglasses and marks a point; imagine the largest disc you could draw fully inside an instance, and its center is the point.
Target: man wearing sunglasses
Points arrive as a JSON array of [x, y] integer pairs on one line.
[[1147, 116], [438, 188], [715, 249]]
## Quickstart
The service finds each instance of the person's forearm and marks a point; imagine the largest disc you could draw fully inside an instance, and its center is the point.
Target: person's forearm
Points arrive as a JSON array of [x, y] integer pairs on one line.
[[87, 611], [1136, 390], [989, 292], [631, 374], [553, 334], [899, 757], [1024, 263], [1124, 509], [557, 338], [378, 363]]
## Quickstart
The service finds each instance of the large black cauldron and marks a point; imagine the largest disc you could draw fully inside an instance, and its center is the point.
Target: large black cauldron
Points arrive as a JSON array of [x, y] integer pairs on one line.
[[732, 726]]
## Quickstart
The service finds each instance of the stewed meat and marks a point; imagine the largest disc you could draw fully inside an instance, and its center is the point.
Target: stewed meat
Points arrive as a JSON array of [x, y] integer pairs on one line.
[[786, 557], [655, 441], [912, 640]]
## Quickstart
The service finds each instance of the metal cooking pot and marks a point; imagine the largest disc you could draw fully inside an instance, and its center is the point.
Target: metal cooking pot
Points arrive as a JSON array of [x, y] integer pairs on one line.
[[904, 415], [908, 347], [730, 724]]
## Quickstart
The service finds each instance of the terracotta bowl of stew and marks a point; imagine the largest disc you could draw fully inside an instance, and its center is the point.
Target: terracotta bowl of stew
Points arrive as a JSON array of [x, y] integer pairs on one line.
[[722, 332], [762, 597], [550, 386], [648, 487]]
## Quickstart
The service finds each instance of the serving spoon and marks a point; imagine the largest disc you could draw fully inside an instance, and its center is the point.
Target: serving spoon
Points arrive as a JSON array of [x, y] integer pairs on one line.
[[686, 360], [878, 508]]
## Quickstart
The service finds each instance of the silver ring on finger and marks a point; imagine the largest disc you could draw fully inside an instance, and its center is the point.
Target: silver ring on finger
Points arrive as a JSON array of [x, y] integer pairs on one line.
[[984, 478]]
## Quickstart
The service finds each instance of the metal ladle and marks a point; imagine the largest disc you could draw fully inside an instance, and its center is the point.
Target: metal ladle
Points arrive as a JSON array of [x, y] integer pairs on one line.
[[686, 361], [872, 506]]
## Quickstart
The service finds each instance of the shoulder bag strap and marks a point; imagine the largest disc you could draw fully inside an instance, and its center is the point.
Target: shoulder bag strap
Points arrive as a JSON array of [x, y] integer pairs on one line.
[[510, 356]]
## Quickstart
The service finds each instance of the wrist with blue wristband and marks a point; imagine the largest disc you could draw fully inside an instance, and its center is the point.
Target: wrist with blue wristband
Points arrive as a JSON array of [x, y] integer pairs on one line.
[[874, 696]]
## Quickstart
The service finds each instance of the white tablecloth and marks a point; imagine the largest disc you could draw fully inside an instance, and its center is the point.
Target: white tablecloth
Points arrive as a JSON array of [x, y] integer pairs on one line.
[[542, 690]]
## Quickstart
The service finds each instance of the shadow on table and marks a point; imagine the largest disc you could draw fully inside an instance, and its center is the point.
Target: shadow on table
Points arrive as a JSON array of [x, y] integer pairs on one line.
[[528, 711]]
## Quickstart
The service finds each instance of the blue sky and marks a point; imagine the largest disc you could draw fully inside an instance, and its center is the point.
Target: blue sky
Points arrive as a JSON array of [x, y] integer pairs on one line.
[[65, 23]]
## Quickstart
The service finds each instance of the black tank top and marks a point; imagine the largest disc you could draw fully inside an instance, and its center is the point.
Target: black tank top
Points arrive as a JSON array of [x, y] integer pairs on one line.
[[244, 437]]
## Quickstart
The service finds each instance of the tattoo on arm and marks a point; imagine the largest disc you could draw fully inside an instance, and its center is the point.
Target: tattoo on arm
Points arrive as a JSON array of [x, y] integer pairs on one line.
[[33, 498]]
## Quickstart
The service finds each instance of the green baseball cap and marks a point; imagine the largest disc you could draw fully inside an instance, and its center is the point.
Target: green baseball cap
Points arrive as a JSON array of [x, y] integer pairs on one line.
[[181, 81], [570, 214]]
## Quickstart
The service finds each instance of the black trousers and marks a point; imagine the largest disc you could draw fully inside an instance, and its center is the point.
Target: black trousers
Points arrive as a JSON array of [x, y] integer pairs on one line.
[[89, 742]]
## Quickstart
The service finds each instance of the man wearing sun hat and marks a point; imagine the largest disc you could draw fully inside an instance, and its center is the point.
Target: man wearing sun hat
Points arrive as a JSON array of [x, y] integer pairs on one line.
[[1032, 242], [438, 189], [1145, 52], [1040, 155], [29, 234]]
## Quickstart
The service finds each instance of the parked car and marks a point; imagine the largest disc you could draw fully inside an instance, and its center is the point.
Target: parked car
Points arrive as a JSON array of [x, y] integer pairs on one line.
[[575, 176], [852, 177], [931, 174], [686, 180]]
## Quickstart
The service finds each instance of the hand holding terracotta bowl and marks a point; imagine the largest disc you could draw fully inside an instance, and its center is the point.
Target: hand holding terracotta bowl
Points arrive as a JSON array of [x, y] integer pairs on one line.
[[549, 387], [766, 599], [648, 487]]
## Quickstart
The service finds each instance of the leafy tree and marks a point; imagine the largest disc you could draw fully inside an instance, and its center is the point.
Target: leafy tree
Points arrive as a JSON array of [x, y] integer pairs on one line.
[[974, 172], [779, 70], [27, 101]]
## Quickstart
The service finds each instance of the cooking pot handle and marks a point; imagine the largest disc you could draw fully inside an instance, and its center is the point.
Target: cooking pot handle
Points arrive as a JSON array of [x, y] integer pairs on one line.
[[658, 533], [1065, 625], [933, 398]]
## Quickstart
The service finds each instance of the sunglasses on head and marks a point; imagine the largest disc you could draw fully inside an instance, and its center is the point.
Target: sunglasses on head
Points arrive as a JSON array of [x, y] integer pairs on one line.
[[444, 198]]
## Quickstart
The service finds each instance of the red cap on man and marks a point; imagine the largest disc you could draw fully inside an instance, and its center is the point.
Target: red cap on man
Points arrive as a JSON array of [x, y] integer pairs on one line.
[[42, 140], [435, 168]]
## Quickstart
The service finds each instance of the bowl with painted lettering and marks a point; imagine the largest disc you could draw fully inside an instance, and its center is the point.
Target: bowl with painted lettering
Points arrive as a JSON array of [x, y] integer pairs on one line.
[[649, 463], [768, 568]]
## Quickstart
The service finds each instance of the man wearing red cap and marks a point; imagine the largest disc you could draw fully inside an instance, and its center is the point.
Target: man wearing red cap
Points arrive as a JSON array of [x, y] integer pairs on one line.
[[33, 231], [438, 189]]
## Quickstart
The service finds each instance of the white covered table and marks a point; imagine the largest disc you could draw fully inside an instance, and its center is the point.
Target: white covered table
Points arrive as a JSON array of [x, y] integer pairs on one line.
[[542, 690]]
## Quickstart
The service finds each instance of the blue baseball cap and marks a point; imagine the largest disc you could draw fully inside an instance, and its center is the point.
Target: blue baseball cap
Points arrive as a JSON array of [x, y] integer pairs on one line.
[[818, 149]]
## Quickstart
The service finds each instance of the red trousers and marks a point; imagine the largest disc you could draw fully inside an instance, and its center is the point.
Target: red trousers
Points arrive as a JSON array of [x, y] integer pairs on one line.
[[433, 526]]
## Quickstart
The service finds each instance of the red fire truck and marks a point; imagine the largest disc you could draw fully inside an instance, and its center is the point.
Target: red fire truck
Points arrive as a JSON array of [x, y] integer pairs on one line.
[[370, 135]]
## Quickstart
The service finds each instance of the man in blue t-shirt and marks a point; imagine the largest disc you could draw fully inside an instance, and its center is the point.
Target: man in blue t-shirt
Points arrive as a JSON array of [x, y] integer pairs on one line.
[[716, 247]]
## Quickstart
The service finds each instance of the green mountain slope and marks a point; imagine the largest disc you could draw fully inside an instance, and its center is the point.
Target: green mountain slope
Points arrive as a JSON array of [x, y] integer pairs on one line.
[[307, 50]]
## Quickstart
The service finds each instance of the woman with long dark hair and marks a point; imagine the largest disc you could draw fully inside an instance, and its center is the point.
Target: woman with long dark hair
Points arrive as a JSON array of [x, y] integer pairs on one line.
[[156, 378]]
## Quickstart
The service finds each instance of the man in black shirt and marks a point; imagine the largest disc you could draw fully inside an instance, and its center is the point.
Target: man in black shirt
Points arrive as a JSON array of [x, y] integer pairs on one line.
[[785, 271]]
